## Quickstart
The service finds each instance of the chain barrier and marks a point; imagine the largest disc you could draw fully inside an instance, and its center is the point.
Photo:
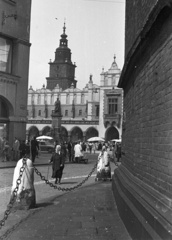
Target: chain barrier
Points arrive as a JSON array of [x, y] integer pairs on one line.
[[65, 189], [14, 195]]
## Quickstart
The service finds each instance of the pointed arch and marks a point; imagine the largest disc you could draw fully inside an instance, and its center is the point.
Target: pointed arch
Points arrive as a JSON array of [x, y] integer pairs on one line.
[[111, 133]]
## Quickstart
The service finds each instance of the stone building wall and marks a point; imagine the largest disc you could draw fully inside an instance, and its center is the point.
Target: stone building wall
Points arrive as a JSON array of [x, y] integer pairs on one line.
[[142, 184]]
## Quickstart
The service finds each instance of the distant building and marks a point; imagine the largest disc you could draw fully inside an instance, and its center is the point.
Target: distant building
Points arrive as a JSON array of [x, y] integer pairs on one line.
[[14, 65], [142, 184], [93, 111]]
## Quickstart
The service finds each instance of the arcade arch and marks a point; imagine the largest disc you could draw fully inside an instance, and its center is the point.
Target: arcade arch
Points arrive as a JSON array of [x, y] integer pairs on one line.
[[91, 132], [47, 131], [76, 134], [111, 133], [33, 131], [64, 134]]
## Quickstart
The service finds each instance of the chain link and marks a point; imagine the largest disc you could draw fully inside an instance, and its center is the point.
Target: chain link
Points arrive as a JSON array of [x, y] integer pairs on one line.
[[65, 189], [18, 182], [14, 195]]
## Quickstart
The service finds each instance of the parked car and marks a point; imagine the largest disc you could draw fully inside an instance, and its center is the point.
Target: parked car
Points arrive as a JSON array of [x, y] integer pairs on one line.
[[46, 146]]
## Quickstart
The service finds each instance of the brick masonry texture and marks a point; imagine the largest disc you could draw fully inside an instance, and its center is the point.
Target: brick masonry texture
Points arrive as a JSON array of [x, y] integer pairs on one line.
[[137, 12], [147, 137]]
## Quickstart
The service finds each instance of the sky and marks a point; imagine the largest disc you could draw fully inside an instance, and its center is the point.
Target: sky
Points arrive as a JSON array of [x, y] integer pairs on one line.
[[95, 30]]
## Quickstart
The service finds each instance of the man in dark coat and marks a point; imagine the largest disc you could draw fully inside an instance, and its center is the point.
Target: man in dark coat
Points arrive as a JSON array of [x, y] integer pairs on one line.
[[34, 148], [58, 164]]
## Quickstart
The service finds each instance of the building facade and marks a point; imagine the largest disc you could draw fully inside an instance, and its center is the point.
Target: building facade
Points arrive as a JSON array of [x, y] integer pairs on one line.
[[93, 111], [142, 184], [14, 65]]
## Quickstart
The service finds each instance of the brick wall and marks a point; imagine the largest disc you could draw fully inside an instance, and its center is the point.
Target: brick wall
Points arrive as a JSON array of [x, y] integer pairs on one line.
[[147, 137], [137, 12]]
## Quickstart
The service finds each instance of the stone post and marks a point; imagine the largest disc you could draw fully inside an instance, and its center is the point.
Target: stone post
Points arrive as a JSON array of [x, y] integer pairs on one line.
[[26, 197]]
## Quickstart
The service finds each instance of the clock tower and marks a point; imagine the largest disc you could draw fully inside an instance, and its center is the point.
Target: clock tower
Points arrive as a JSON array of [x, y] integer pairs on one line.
[[62, 70]]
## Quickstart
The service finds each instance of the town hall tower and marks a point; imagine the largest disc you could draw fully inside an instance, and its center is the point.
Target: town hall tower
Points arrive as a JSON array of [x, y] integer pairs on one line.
[[62, 70]]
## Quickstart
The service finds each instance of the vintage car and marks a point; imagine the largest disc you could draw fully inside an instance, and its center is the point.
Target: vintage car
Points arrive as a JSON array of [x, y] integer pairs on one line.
[[46, 146]]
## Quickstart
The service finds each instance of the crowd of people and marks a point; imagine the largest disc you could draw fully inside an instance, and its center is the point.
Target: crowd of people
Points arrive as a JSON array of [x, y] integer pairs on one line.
[[72, 150], [18, 150], [63, 152]]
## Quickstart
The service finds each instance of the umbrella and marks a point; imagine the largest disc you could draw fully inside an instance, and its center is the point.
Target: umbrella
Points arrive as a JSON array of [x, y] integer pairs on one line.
[[95, 139], [116, 140], [44, 138]]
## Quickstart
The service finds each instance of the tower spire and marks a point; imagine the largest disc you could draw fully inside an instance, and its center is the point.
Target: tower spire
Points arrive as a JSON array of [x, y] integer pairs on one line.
[[63, 40], [64, 27]]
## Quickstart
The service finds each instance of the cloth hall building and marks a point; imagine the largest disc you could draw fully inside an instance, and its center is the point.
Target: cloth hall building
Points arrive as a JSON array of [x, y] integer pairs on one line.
[[93, 111]]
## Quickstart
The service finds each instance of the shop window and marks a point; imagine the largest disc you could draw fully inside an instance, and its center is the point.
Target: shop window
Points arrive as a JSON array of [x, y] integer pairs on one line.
[[5, 55]]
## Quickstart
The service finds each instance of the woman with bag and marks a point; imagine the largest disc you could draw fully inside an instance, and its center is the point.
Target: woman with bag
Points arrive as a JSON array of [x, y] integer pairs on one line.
[[103, 166]]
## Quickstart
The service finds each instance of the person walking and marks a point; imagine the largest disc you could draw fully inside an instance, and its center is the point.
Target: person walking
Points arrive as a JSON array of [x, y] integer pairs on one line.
[[16, 146], [69, 147], [22, 149], [78, 151], [103, 166], [118, 151], [6, 152], [34, 148], [90, 145], [57, 164]]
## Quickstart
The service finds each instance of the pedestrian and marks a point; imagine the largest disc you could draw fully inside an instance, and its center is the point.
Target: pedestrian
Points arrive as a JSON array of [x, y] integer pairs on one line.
[[3, 141], [78, 152], [90, 147], [28, 148], [103, 166], [55, 144], [84, 146], [57, 164], [22, 149], [99, 146], [34, 148], [69, 147], [6, 152], [94, 147], [118, 151], [64, 150], [16, 146]]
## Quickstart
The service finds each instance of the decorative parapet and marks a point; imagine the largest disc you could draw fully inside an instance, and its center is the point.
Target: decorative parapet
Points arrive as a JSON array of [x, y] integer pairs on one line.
[[75, 122]]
